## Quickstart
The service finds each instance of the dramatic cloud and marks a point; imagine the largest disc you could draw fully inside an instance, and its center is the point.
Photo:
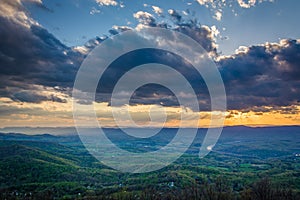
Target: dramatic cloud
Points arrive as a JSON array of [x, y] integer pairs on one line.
[[205, 35], [31, 55], [43, 58], [255, 77], [35, 67], [13, 10], [35, 97], [263, 75], [153, 94]]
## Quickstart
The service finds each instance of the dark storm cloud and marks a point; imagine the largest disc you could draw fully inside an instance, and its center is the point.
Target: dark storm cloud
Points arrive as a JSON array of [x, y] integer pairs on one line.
[[155, 94], [30, 51], [202, 34], [33, 97], [151, 93], [264, 75], [32, 60], [191, 27], [258, 76], [31, 55]]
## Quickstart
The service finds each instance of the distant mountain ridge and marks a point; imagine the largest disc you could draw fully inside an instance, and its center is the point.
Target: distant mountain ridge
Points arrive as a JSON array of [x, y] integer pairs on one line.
[[65, 134], [38, 137], [59, 131], [40, 130]]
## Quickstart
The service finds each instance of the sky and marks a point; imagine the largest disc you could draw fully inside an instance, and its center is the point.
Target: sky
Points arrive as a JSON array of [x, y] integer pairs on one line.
[[254, 43]]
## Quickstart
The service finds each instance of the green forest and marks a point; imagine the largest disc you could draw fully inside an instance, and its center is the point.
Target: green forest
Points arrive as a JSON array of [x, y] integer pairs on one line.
[[59, 167]]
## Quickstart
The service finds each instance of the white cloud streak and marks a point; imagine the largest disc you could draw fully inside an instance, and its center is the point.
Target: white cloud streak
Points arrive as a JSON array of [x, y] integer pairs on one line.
[[107, 2]]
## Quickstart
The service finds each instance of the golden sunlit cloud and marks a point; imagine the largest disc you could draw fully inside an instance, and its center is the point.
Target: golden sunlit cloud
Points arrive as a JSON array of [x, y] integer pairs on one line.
[[57, 114]]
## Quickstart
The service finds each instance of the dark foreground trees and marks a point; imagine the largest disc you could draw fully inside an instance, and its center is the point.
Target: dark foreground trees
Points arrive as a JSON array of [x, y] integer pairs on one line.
[[220, 189]]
